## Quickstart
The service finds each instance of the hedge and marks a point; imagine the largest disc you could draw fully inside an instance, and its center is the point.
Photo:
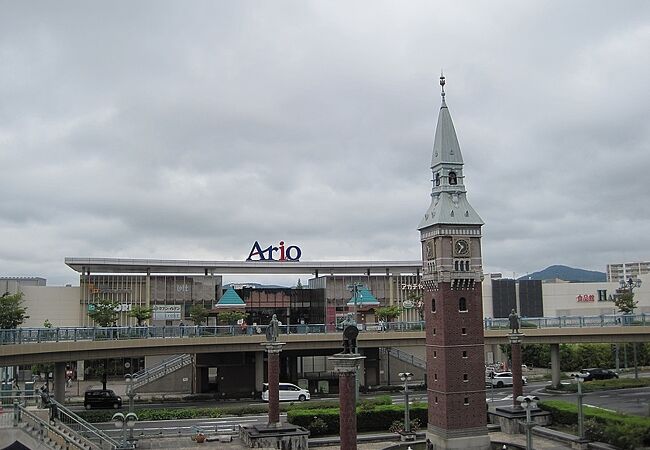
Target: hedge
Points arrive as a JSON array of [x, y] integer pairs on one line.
[[228, 410], [602, 385], [620, 430], [374, 418]]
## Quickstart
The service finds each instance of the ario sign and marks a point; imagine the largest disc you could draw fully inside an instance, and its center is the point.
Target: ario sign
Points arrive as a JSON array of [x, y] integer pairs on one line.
[[271, 253]]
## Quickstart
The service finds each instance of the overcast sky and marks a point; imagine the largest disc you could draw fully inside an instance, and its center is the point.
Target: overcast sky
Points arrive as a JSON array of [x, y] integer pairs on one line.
[[189, 130]]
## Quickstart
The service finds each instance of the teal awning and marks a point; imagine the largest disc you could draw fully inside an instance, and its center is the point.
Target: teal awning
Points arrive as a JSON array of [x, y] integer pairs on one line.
[[230, 299], [364, 298]]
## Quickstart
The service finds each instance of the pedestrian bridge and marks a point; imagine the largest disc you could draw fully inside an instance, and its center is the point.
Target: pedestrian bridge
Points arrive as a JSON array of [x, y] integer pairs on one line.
[[25, 346]]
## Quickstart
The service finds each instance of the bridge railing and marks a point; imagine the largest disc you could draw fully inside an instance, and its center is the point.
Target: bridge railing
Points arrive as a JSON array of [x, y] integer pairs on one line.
[[27, 335]]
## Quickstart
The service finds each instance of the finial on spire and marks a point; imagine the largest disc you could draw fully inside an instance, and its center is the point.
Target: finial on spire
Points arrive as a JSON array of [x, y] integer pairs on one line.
[[442, 84]]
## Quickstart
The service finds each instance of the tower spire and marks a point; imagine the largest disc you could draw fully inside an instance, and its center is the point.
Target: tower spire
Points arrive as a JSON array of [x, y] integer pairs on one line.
[[442, 86]]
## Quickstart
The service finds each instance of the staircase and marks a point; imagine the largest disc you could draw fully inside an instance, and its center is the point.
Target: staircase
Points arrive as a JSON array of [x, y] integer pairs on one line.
[[407, 358], [84, 435], [166, 367]]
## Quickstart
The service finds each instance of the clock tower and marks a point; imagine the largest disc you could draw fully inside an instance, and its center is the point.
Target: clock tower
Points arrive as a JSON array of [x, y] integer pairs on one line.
[[452, 272]]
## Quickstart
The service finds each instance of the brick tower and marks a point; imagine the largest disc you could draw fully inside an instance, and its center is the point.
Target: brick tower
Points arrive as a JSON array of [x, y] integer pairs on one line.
[[450, 233]]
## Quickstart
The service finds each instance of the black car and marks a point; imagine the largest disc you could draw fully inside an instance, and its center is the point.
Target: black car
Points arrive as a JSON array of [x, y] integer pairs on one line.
[[102, 398], [597, 374]]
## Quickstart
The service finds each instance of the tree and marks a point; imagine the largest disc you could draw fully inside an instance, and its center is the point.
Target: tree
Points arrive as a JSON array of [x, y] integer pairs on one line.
[[388, 312], [232, 317], [12, 311], [624, 301], [105, 313], [141, 313], [198, 314]]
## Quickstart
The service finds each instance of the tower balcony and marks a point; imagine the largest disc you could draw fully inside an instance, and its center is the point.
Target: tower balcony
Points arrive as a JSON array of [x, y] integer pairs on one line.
[[457, 279]]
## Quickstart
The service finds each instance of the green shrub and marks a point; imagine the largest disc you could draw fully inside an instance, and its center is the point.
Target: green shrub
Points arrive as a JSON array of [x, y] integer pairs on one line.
[[317, 427], [602, 385], [377, 418], [620, 430]]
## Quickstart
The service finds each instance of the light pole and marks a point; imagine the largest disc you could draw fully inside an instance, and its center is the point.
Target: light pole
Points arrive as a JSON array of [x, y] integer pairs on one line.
[[581, 418], [123, 422], [129, 392], [406, 377], [629, 285], [528, 402], [354, 288]]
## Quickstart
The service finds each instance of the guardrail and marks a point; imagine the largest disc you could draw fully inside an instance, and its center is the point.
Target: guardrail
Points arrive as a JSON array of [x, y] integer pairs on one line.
[[81, 427], [31, 335]]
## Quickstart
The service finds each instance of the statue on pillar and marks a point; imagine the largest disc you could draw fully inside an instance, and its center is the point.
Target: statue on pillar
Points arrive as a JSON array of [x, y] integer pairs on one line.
[[273, 329], [513, 318], [350, 333]]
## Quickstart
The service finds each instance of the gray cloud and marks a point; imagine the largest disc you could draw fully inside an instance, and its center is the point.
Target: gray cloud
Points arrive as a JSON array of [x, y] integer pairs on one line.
[[168, 130]]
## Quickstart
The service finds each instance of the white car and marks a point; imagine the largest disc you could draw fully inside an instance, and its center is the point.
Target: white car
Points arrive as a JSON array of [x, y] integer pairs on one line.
[[501, 379], [288, 393]]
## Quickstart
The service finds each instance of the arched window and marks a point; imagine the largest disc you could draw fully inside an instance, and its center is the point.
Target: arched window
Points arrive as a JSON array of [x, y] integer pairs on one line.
[[462, 304], [437, 178], [433, 305], [452, 178]]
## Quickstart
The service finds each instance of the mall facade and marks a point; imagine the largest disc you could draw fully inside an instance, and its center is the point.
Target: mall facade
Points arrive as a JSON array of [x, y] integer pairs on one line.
[[170, 288]]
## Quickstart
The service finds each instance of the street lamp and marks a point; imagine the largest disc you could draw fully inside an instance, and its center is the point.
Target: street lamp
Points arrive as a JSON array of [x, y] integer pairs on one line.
[[528, 402], [406, 377], [581, 417], [128, 378], [354, 288], [123, 422], [629, 285]]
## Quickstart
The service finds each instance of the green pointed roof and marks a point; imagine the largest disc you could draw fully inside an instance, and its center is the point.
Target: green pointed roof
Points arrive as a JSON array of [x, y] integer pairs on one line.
[[364, 298], [230, 299]]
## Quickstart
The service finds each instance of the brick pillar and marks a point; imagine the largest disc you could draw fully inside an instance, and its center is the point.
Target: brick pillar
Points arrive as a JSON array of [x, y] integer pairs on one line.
[[346, 365], [517, 385], [273, 350]]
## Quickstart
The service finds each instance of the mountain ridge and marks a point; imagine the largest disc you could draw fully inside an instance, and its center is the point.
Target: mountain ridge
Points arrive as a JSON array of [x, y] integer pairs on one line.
[[566, 273]]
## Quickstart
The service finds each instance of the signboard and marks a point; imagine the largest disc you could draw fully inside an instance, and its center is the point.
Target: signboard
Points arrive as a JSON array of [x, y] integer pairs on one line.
[[411, 287], [271, 253], [166, 312], [408, 304], [586, 298]]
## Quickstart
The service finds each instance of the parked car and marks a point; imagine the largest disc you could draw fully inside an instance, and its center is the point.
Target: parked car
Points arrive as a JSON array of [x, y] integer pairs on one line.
[[102, 398], [501, 379], [597, 373], [288, 392]]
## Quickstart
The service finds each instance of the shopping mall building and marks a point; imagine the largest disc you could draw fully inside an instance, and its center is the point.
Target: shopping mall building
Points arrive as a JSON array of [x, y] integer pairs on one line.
[[171, 287]]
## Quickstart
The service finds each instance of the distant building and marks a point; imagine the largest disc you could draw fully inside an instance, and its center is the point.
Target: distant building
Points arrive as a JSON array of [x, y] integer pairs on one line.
[[623, 271], [13, 285]]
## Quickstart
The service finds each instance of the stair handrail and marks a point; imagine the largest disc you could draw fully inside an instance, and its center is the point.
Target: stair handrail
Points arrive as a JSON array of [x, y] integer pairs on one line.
[[141, 377], [87, 429], [407, 357], [44, 425]]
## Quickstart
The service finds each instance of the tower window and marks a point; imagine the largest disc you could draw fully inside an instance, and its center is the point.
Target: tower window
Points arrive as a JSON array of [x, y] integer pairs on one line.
[[463, 330], [462, 304], [434, 331], [436, 400], [435, 354], [437, 178], [433, 305], [465, 377], [435, 377], [464, 353], [452, 178], [466, 401]]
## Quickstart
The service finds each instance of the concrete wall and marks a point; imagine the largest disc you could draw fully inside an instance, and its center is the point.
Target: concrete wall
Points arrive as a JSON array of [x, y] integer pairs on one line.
[[58, 304]]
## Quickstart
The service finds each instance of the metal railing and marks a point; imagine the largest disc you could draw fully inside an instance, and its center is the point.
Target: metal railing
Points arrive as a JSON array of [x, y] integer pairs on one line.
[[30, 335], [96, 437], [407, 358], [167, 366]]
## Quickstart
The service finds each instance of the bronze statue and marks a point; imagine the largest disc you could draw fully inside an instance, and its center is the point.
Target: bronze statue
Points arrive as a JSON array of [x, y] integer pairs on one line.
[[513, 318], [273, 329], [350, 339]]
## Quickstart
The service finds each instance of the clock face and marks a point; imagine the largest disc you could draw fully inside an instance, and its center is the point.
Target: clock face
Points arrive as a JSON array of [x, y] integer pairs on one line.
[[461, 247]]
